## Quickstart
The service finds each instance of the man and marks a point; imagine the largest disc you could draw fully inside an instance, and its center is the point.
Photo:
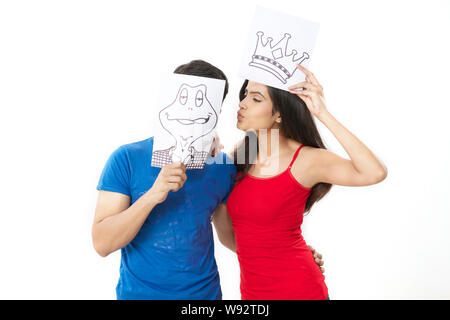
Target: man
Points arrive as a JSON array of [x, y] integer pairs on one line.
[[166, 238]]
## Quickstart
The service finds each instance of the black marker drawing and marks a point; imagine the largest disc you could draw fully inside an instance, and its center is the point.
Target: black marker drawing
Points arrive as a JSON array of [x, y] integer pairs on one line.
[[275, 58], [189, 117]]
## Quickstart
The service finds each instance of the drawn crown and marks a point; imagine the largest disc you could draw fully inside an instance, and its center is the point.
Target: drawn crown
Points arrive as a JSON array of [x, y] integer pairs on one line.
[[275, 58]]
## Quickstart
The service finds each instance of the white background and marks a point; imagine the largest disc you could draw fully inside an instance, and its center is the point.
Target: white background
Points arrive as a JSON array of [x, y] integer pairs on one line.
[[76, 82]]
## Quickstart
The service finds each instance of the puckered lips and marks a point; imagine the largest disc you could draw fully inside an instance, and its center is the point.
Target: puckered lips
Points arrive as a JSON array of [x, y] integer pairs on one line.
[[190, 121]]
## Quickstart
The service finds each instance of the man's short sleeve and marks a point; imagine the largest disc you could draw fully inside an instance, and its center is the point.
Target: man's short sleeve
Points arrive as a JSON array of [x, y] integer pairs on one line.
[[116, 173], [232, 177]]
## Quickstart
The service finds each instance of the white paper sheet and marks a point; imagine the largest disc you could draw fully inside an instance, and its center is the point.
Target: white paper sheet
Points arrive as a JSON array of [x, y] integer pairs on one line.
[[277, 42], [186, 119]]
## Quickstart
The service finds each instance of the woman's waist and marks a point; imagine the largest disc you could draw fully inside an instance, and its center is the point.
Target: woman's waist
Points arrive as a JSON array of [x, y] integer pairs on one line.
[[293, 247], [270, 238], [276, 265]]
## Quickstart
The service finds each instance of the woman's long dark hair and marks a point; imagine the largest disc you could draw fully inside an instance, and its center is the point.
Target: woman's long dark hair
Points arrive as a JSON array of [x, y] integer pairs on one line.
[[297, 124]]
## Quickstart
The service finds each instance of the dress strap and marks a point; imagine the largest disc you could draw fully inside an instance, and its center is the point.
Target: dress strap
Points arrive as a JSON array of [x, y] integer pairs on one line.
[[295, 156]]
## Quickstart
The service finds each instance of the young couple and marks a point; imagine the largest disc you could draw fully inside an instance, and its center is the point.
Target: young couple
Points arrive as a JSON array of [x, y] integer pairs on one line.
[[166, 238]]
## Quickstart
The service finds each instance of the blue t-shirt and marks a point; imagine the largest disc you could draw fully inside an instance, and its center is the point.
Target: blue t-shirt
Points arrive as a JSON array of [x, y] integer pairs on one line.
[[172, 256]]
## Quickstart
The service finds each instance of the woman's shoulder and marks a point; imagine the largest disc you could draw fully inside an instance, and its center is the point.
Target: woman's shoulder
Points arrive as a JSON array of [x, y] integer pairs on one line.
[[305, 151], [306, 155], [311, 155], [303, 166]]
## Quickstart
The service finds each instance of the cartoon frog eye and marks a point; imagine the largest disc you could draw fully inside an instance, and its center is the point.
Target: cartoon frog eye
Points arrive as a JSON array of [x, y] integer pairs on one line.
[[183, 96], [199, 98]]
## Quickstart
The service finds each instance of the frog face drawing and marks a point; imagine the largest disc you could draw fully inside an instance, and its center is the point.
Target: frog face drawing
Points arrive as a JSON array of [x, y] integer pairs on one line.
[[188, 118]]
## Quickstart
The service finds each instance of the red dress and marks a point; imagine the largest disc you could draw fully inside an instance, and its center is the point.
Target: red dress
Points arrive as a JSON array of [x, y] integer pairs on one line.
[[275, 261]]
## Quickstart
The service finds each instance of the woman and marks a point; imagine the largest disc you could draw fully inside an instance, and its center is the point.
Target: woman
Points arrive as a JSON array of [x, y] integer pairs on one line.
[[266, 210]]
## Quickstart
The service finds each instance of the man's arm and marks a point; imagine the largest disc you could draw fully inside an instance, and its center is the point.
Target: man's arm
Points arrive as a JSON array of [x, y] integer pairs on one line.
[[317, 258], [224, 229], [116, 223]]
